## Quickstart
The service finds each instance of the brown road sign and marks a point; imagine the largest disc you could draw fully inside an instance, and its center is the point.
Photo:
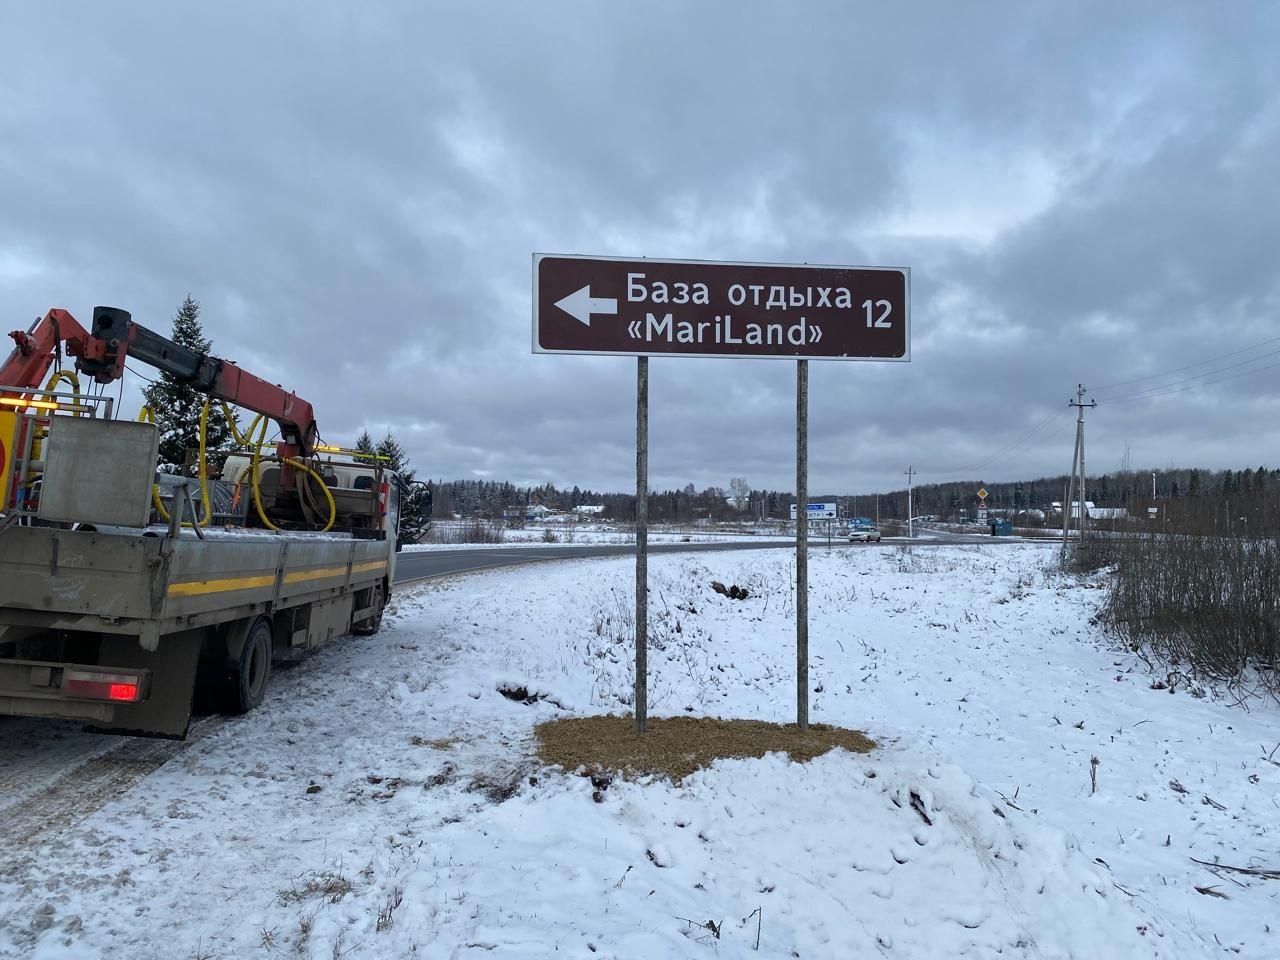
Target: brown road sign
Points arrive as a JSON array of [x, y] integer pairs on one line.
[[698, 308]]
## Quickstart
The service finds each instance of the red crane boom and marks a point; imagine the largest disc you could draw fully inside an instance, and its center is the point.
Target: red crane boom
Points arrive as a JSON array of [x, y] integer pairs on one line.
[[102, 351]]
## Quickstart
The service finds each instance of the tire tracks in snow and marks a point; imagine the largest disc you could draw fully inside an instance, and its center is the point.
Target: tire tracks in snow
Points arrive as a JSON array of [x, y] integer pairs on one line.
[[84, 780]]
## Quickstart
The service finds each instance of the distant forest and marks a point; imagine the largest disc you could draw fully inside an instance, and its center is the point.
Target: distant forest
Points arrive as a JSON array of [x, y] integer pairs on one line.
[[1250, 490]]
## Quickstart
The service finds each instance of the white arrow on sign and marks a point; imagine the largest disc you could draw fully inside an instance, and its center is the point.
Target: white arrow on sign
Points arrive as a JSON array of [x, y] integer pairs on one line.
[[581, 305]]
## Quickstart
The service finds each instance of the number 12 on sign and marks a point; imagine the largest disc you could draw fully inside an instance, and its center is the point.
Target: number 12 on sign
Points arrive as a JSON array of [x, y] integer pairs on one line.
[[885, 308]]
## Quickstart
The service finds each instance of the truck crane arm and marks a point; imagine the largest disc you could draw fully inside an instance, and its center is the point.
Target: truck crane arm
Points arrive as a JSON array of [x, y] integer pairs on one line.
[[101, 353], [34, 353]]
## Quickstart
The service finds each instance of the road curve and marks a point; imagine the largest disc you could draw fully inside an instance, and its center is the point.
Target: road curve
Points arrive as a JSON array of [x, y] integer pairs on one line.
[[429, 564]]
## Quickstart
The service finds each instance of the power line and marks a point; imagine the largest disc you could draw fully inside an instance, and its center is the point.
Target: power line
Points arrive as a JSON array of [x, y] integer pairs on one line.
[[1200, 363], [1009, 448], [1207, 373], [1153, 396]]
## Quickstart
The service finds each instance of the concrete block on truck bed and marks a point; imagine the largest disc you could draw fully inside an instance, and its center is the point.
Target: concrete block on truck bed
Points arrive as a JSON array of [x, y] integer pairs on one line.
[[98, 471]]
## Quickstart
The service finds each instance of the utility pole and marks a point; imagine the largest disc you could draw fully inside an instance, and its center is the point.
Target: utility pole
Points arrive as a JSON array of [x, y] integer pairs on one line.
[[910, 472], [1077, 461]]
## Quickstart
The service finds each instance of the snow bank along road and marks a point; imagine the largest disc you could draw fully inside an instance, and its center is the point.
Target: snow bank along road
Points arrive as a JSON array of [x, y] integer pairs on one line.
[[382, 803]]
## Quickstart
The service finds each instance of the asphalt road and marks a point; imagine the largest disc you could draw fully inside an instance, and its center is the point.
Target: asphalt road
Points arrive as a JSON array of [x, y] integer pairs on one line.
[[429, 564], [443, 563]]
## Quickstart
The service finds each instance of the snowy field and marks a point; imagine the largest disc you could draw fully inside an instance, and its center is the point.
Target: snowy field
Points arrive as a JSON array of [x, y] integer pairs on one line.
[[1032, 796]]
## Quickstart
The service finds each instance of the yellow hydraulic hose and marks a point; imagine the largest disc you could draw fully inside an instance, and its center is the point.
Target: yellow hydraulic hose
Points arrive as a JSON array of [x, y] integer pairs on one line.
[[297, 465], [37, 440], [145, 415], [70, 377], [204, 466], [260, 423], [241, 438], [333, 507], [253, 476]]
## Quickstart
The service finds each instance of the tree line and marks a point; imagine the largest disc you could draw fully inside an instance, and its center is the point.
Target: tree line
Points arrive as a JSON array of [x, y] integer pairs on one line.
[[1129, 489], [498, 499]]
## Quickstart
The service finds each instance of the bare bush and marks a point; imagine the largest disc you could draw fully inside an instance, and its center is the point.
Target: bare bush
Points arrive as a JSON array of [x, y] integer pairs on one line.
[[1095, 554], [472, 531], [1204, 605]]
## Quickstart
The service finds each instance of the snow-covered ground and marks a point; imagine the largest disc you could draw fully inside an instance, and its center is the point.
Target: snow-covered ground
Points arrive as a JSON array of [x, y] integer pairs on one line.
[[384, 802]]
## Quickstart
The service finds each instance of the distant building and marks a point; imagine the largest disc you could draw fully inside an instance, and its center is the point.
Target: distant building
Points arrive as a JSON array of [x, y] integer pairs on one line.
[[1108, 513], [1094, 512], [534, 511], [587, 511]]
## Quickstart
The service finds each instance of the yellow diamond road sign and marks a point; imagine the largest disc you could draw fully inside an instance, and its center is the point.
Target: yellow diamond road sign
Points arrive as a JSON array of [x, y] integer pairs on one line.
[[982, 494]]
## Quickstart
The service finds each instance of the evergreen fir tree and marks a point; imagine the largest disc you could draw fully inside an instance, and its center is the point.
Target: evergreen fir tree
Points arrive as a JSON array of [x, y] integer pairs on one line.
[[176, 406], [396, 458], [367, 450]]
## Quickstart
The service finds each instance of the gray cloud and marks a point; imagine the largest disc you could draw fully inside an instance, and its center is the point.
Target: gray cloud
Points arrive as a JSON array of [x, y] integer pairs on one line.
[[354, 194]]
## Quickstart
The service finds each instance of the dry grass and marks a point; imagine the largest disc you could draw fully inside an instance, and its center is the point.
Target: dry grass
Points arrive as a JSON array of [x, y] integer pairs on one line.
[[440, 743], [677, 746], [330, 886]]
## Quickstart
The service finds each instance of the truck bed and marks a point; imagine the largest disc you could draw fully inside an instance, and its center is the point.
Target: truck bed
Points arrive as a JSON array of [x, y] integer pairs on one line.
[[141, 581], [120, 599]]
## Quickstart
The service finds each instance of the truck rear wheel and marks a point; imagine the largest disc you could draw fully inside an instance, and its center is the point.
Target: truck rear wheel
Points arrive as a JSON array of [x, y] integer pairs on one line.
[[247, 684], [378, 601]]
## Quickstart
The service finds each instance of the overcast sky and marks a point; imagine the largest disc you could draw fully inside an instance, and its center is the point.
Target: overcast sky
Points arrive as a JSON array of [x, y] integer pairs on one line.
[[354, 191]]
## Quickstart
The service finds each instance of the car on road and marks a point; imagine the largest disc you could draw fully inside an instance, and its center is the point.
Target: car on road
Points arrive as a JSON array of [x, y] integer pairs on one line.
[[863, 531]]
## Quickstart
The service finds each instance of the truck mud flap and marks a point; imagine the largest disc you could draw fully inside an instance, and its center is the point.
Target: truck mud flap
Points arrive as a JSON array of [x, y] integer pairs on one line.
[[167, 711]]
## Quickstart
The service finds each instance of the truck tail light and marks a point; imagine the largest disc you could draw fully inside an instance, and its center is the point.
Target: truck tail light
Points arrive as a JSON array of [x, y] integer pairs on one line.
[[91, 685]]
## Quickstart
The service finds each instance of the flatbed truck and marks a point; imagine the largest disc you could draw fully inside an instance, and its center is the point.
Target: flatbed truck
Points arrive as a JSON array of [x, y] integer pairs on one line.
[[127, 595]]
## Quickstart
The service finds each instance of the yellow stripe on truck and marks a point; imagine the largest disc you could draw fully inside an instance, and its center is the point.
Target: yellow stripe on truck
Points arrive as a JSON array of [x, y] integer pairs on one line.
[[195, 588], [303, 575], [200, 587]]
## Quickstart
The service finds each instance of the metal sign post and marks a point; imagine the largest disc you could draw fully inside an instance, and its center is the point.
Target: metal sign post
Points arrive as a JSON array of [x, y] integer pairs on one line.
[[802, 545], [642, 542]]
